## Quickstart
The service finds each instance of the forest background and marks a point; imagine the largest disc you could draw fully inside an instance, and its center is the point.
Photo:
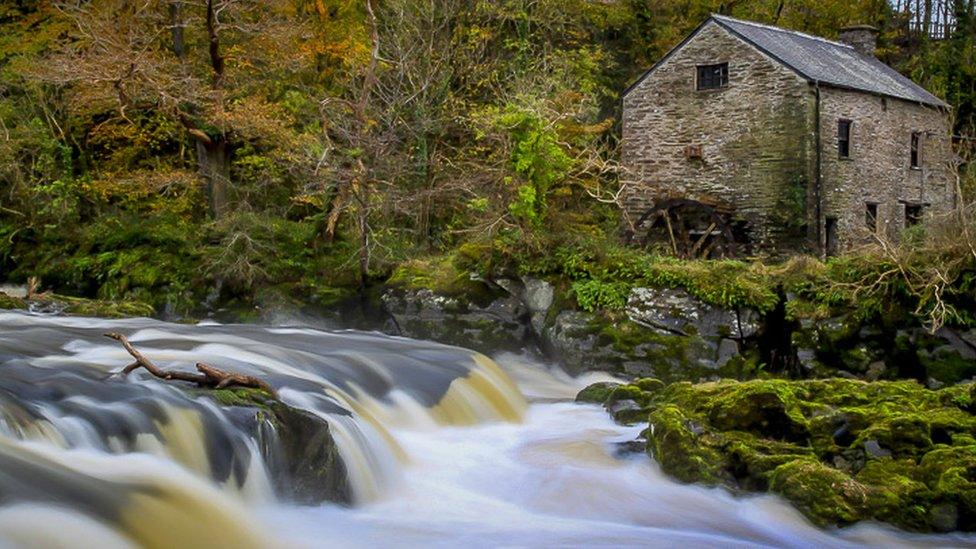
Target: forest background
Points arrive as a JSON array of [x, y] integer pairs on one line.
[[178, 151]]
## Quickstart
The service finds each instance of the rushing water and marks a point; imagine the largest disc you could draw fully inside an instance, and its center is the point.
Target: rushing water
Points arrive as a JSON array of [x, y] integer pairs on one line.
[[442, 448]]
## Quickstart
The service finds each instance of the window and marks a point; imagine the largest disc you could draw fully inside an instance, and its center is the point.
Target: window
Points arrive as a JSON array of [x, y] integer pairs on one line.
[[913, 214], [916, 149], [844, 138], [871, 217], [830, 226], [711, 77]]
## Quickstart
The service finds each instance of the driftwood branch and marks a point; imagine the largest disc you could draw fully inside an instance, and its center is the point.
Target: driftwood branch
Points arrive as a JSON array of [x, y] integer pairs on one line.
[[206, 375]]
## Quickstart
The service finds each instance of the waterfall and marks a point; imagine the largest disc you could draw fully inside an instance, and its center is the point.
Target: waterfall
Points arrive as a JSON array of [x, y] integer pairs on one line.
[[127, 456]]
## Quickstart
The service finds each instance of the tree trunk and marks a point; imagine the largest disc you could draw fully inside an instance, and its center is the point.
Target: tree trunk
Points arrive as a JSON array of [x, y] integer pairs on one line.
[[176, 20], [214, 163]]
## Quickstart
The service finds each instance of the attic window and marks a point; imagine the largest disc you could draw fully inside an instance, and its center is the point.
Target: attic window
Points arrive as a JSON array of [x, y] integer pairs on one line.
[[844, 138], [713, 77]]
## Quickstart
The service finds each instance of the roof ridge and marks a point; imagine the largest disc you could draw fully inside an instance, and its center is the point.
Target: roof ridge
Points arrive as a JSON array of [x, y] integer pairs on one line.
[[781, 29]]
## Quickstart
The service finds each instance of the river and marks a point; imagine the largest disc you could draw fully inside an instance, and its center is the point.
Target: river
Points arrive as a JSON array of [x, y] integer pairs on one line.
[[442, 446]]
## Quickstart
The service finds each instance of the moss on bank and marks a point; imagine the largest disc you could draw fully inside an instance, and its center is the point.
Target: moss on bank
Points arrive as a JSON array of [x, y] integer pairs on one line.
[[840, 450], [80, 306]]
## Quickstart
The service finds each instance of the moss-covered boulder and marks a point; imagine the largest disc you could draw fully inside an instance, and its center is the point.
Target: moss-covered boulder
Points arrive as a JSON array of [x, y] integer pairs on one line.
[[840, 450], [627, 403], [298, 446]]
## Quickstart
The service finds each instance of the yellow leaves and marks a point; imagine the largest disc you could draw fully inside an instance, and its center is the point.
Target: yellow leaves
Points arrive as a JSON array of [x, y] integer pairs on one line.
[[177, 191], [315, 200]]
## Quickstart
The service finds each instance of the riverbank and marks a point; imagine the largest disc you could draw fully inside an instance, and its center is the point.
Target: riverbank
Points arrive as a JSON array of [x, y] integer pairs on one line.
[[841, 451]]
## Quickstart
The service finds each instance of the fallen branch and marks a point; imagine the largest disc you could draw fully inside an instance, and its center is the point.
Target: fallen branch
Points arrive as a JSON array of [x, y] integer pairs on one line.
[[208, 375]]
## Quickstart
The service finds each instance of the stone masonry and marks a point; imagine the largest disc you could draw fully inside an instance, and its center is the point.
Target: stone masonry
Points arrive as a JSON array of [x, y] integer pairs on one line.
[[759, 136]]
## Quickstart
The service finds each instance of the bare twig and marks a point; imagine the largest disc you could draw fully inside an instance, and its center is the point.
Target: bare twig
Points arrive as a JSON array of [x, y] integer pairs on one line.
[[208, 375]]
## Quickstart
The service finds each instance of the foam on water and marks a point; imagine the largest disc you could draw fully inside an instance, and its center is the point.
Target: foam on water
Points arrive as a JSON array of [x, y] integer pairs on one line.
[[556, 479], [440, 447]]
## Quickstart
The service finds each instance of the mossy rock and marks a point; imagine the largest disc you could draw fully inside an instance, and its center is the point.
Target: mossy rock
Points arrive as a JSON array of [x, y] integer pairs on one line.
[[825, 495], [675, 441], [840, 450], [597, 393], [297, 445], [769, 410], [10, 302]]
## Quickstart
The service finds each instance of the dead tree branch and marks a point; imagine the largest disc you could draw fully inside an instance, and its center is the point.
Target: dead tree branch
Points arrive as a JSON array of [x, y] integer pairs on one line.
[[208, 376]]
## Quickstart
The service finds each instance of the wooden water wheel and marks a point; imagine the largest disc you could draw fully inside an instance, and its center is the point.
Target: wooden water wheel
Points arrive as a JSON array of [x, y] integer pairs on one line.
[[687, 228]]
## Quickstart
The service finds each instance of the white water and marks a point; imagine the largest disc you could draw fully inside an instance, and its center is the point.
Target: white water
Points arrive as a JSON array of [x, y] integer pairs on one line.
[[556, 480], [117, 463]]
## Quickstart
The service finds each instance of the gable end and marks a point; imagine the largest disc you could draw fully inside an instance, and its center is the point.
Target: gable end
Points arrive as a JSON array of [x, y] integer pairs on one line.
[[692, 36]]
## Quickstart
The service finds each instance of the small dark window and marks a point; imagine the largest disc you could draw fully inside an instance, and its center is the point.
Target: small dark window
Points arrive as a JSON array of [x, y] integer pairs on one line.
[[844, 138], [871, 217], [712, 77], [916, 148], [913, 214]]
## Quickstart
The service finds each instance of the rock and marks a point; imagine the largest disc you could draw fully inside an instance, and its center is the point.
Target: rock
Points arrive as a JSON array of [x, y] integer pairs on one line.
[[750, 322], [944, 517], [876, 370], [626, 411], [628, 448], [727, 349], [825, 495], [538, 295], [807, 359], [957, 343], [677, 312], [494, 322], [873, 449], [762, 410], [298, 446], [638, 368], [649, 385], [596, 393], [934, 384], [841, 451]]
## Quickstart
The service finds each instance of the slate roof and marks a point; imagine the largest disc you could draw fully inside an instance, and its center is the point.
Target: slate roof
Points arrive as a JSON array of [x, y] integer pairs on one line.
[[821, 60]]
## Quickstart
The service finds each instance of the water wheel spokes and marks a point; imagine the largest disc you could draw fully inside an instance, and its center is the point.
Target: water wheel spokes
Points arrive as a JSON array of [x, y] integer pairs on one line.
[[685, 228]]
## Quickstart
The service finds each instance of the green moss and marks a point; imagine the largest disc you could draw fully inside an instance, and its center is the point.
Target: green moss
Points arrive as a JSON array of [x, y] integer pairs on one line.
[[649, 384], [808, 441], [677, 443], [83, 307], [11, 302], [825, 495], [768, 408], [104, 309], [238, 396], [597, 393]]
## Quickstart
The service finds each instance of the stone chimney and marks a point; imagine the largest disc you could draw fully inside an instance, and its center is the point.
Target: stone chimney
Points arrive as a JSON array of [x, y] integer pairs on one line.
[[863, 38]]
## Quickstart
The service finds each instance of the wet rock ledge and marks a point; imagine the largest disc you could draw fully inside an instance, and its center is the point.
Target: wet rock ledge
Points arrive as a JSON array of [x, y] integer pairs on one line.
[[840, 450], [297, 446]]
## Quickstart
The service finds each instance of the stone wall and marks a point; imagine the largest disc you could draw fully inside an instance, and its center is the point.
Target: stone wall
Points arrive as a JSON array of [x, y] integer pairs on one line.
[[879, 168], [757, 137]]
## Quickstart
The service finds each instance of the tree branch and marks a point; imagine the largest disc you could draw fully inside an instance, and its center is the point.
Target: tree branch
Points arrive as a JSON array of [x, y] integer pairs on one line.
[[208, 375]]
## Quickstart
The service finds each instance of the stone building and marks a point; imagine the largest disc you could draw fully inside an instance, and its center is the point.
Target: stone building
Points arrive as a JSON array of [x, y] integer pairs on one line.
[[805, 143]]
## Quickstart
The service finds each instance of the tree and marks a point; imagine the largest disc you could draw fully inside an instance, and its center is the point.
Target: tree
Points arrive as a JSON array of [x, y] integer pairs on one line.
[[203, 64]]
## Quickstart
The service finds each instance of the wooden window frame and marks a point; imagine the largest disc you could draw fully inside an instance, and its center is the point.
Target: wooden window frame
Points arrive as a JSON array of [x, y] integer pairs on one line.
[[914, 214], [845, 130], [712, 77], [915, 151], [871, 216]]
